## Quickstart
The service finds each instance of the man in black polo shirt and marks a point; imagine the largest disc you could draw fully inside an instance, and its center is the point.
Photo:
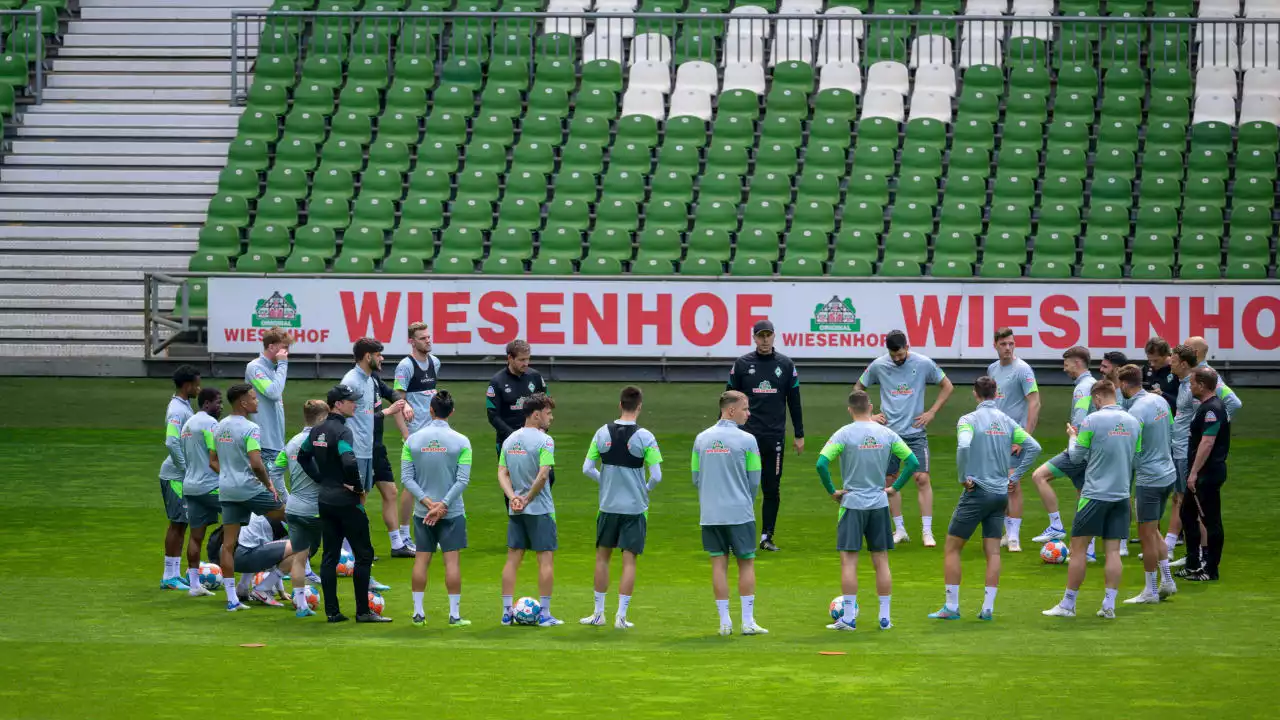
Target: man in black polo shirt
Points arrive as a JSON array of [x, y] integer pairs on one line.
[[504, 400], [1207, 450], [1157, 373], [770, 381]]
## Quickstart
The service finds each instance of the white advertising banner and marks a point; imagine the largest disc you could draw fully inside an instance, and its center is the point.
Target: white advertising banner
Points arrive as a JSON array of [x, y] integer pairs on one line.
[[703, 319]]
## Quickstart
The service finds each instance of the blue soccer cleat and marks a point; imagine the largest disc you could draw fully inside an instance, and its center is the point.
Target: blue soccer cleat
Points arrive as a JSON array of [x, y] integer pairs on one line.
[[174, 583], [986, 615], [236, 606], [508, 618], [549, 621], [304, 612], [376, 586], [945, 614], [885, 624]]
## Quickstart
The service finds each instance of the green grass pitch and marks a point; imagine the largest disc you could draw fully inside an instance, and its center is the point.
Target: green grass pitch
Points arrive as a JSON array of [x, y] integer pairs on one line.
[[84, 631]]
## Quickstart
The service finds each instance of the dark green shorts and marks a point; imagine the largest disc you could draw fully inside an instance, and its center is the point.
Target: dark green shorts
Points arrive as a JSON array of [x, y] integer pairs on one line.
[[874, 525], [739, 540], [979, 507], [237, 512], [203, 510], [1151, 502], [618, 530], [1062, 466], [1180, 483], [918, 444], [174, 508], [447, 535], [263, 557], [1107, 519], [304, 532], [531, 532]]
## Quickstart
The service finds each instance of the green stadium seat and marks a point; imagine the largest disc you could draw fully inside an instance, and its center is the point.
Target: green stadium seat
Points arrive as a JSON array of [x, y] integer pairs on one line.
[[255, 263], [1200, 271]]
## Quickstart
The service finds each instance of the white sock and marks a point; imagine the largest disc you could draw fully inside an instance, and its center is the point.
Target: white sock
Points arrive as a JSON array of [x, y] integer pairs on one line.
[[1090, 550], [309, 570], [404, 533], [1109, 599], [346, 545], [268, 583], [953, 598], [1166, 577], [397, 542], [1015, 527], [989, 598], [546, 605], [1069, 599], [927, 522], [748, 610], [722, 606], [506, 603], [884, 607], [850, 607], [1055, 520], [1153, 583], [172, 567], [455, 606], [1170, 542], [229, 584], [245, 582], [1008, 523], [600, 597], [624, 604], [899, 523], [299, 598], [417, 603], [193, 577]]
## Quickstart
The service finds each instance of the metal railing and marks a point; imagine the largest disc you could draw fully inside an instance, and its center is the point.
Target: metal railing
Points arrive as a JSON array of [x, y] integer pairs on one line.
[[837, 35], [34, 47], [161, 327]]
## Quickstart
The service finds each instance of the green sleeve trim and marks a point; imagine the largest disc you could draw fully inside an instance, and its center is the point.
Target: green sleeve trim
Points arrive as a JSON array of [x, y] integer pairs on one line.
[[282, 460], [753, 461], [1020, 436], [252, 444], [865, 378], [546, 458], [694, 464], [261, 384], [399, 385], [652, 456], [1225, 391], [1138, 447], [208, 440], [593, 452], [900, 450], [344, 447], [1035, 388], [824, 474], [171, 430], [832, 450], [1085, 439], [406, 454], [908, 471], [1212, 430], [502, 459], [964, 428], [488, 403], [1083, 403], [464, 457], [796, 384]]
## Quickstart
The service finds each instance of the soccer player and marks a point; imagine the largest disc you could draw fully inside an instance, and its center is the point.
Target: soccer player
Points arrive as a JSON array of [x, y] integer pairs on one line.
[[186, 384], [384, 477], [435, 468], [200, 481], [244, 488], [328, 456], [863, 450], [508, 389], [902, 376], [302, 510], [1075, 363], [726, 472], [623, 450], [984, 443], [1108, 442], [1155, 480], [1110, 366], [1018, 396], [772, 385], [1157, 374], [268, 374], [1207, 449], [416, 376], [524, 473], [258, 550], [367, 353]]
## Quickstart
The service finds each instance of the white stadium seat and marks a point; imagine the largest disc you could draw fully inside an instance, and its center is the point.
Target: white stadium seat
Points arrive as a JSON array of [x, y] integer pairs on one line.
[[1220, 54], [577, 27], [755, 23], [1262, 81], [789, 48], [744, 76], [935, 106], [697, 75], [649, 75], [805, 28], [1215, 108], [602, 47], [743, 49], [840, 76], [623, 26], [936, 78], [931, 50], [883, 104], [845, 21], [695, 103], [1216, 81], [888, 76], [650, 47], [986, 7], [837, 48], [981, 51], [638, 101], [1265, 108]]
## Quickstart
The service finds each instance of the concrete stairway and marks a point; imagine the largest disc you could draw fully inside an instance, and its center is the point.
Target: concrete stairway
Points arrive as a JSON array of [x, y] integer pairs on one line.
[[110, 177]]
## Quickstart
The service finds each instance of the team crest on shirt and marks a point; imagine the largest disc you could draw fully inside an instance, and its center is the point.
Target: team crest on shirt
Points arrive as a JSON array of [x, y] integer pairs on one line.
[[902, 389], [1210, 417], [434, 447], [1162, 414], [718, 448], [1119, 431], [765, 388], [751, 370], [870, 443], [490, 392], [530, 387], [320, 441], [995, 428], [516, 449], [777, 372]]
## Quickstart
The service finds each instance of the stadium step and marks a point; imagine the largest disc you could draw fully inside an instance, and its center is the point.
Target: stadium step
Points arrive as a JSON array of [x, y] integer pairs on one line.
[[220, 80], [125, 151], [39, 234], [181, 67], [108, 188], [85, 94], [213, 161], [155, 13]]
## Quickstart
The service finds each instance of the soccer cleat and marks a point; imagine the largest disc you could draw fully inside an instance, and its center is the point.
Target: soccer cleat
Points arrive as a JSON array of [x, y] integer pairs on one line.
[[596, 619], [337, 618], [1168, 590], [1107, 613], [885, 624], [174, 583], [1091, 557], [1143, 598], [457, 622], [1059, 611], [265, 599], [408, 545], [767, 545], [1050, 533], [313, 579], [620, 623], [372, 617], [419, 621], [927, 539], [1124, 550], [1201, 576], [842, 625], [1135, 540], [403, 552], [726, 629], [549, 621], [945, 613], [754, 629], [198, 591], [1004, 540], [900, 536], [1180, 562], [235, 607], [376, 586], [508, 618], [1015, 545], [303, 612]]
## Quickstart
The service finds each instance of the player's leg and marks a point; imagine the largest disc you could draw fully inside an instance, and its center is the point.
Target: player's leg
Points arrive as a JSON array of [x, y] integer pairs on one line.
[[230, 541], [1113, 568], [195, 540], [1013, 519], [895, 507], [298, 581], [747, 594], [1209, 497], [509, 572], [601, 584], [1175, 523], [418, 585], [884, 586], [848, 591], [406, 518], [626, 586], [453, 586], [1076, 565], [546, 584], [919, 445], [356, 527], [331, 532], [771, 456], [992, 523], [1041, 478], [720, 589], [391, 517], [964, 520], [1190, 511]]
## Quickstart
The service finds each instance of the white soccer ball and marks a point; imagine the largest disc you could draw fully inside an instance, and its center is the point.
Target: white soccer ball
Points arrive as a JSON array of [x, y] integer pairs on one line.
[[837, 608], [526, 611]]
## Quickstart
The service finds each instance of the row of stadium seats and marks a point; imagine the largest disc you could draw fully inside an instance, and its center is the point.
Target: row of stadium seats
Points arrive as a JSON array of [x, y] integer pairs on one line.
[[25, 42], [1097, 150]]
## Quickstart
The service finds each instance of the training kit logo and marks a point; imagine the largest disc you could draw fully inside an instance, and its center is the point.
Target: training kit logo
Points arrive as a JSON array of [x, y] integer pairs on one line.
[[718, 448], [320, 441], [435, 447], [996, 429], [516, 449], [835, 315], [277, 311], [901, 389], [1120, 430], [834, 323], [765, 388], [870, 443]]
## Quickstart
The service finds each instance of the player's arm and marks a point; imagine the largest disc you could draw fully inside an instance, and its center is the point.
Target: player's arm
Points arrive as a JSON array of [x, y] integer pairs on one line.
[[347, 456], [546, 461], [867, 378], [695, 466], [964, 437], [1230, 400], [491, 410], [271, 385], [173, 442], [793, 405], [753, 464], [1033, 408], [735, 378], [504, 478], [253, 446], [213, 451], [460, 479], [409, 477], [589, 463], [307, 459], [830, 452], [907, 459], [282, 462], [1030, 451], [653, 461], [404, 373], [1080, 450]]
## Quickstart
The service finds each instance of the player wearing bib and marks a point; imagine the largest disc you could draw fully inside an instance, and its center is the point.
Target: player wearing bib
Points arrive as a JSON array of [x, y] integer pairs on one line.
[[1155, 476], [1018, 396], [186, 384], [200, 482], [623, 449], [435, 468], [1075, 363], [864, 450], [302, 510], [1157, 374], [244, 488], [903, 377], [984, 442], [416, 377], [268, 374], [1108, 442], [726, 472], [524, 470]]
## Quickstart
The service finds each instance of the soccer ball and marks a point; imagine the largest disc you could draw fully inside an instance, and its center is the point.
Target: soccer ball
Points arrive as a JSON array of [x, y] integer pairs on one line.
[[346, 564], [376, 603], [837, 608], [260, 578], [313, 600], [526, 611], [1054, 552], [210, 576]]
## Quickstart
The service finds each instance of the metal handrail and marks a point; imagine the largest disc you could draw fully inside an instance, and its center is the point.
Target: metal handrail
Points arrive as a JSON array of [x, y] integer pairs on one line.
[[36, 89]]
